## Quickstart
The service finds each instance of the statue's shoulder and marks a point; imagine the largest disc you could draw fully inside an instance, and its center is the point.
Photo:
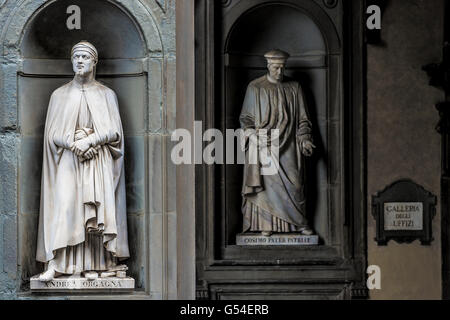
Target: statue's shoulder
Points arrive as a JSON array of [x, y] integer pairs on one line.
[[104, 88], [258, 82], [291, 82], [61, 89]]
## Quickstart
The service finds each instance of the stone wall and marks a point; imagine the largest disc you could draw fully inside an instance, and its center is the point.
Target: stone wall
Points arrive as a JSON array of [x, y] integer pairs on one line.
[[402, 141]]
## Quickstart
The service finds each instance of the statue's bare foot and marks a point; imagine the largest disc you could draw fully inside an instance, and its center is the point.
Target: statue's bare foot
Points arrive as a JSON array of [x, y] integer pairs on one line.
[[267, 233], [306, 232], [48, 275], [91, 275]]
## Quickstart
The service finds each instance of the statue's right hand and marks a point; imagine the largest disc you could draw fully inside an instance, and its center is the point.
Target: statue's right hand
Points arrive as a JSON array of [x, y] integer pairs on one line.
[[308, 148], [263, 137], [80, 147]]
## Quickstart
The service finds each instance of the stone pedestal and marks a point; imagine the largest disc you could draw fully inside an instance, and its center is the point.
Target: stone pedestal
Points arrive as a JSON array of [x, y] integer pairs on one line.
[[277, 239], [80, 284]]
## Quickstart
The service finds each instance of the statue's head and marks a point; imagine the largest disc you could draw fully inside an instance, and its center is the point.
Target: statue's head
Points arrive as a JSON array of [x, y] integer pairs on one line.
[[84, 58], [276, 63]]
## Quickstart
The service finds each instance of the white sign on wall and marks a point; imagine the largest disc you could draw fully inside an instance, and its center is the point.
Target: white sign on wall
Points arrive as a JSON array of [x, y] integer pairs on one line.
[[403, 216]]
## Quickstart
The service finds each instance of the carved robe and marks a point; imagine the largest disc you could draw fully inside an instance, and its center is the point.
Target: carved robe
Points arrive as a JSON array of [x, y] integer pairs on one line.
[[275, 202], [82, 222]]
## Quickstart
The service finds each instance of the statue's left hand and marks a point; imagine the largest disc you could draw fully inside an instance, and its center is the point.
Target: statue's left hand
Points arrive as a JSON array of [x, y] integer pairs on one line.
[[81, 146], [90, 154], [308, 148]]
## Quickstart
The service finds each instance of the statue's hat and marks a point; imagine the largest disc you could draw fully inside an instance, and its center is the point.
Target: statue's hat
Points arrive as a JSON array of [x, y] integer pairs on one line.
[[276, 56], [86, 46]]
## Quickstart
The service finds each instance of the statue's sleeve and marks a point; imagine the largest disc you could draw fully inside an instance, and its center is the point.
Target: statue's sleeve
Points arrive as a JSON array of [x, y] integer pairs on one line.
[[252, 176], [247, 117], [110, 132], [109, 128], [55, 125], [115, 139], [304, 130]]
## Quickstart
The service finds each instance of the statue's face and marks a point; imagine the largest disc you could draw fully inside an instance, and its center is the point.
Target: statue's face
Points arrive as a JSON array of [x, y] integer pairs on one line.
[[83, 62], [276, 71]]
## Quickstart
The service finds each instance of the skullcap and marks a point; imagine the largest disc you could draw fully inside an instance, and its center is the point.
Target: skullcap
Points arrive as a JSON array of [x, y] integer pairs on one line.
[[86, 46]]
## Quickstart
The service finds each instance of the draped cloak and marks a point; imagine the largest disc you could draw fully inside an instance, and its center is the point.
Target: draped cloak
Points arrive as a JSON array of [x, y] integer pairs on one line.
[[275, 202], [75, 195]]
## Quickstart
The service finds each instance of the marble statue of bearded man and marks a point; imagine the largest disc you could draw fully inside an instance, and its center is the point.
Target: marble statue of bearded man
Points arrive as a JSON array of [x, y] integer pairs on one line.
[[82, 222], [275, 203]]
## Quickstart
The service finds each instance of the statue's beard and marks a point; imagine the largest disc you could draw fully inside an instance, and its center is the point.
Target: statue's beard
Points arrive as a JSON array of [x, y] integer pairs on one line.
[[84, 73], [81, 73]]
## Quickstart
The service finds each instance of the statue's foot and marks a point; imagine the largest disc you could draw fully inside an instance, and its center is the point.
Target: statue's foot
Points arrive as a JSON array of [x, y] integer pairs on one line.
[[306, 232], [48, 275], [91, 275], [267, 233], [107, 274]]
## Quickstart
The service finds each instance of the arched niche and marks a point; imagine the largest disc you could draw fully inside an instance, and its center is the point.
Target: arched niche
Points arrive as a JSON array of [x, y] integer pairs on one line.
[[272, 26], [315, 62], [231, 39], [44, 52], [106, 25]]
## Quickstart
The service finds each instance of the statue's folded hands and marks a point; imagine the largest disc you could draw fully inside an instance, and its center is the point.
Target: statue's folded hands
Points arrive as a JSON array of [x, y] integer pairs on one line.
[[81, 146], [89, 154]]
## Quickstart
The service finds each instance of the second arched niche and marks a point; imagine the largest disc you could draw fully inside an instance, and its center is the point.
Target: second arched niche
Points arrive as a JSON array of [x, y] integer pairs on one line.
[[257, 31]]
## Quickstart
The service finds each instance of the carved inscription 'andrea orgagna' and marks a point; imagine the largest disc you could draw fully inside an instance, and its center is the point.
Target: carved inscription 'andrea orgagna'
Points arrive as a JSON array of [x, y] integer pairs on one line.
[[70, 283], [84, 284]]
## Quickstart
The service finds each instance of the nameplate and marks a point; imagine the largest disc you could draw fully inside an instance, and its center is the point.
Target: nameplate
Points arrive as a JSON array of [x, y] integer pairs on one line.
[[67, 283], [288, 239]]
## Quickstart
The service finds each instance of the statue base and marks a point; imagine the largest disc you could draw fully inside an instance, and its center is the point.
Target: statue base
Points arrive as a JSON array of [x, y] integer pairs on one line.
[[82, 285], [276, 239]]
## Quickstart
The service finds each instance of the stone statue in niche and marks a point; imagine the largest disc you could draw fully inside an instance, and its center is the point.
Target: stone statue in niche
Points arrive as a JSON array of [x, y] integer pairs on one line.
[[275, 203], [83, 222]]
